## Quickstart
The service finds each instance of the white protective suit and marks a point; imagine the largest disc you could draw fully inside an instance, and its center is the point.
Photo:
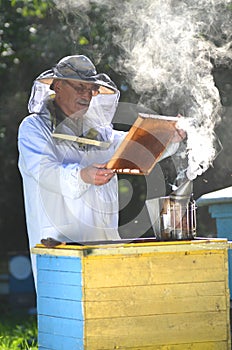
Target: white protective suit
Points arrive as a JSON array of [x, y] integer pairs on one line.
[[58, 203]]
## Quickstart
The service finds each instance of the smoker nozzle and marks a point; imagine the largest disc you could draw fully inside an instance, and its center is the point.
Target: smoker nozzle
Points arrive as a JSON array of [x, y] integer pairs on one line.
[[184, 190]]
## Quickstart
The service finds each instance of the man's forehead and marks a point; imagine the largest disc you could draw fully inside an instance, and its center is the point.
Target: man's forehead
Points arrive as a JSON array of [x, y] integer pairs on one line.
[[80, 83]]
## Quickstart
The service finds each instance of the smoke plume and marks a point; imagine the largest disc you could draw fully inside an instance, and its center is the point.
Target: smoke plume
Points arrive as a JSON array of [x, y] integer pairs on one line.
[[168, 52]]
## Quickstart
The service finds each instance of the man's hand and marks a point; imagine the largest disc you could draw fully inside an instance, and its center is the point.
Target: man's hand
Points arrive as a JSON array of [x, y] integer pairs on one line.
[[96, 174], [179, 135]]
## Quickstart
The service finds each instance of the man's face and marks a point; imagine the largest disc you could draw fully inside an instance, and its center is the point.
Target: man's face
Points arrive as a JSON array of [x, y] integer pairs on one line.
[[74, 97]]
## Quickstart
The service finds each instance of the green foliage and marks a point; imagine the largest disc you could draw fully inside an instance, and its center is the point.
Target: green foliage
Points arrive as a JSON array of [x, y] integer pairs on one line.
[[37, 8], [18, 333]]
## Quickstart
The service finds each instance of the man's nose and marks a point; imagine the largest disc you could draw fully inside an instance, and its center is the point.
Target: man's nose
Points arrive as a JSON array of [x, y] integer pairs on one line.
[[87, 93]]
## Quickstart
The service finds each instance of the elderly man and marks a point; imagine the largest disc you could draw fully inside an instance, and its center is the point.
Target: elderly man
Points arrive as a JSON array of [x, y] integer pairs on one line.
[[69, 194]]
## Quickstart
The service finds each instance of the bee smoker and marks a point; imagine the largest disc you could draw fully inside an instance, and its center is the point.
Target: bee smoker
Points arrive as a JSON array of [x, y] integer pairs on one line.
[[174, 217]]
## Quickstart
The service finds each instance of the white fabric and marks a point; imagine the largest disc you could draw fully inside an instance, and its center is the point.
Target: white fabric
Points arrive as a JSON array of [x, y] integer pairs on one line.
[[58, 203]]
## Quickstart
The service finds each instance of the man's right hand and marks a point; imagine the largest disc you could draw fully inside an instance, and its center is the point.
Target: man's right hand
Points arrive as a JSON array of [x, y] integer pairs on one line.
[[96, 174]]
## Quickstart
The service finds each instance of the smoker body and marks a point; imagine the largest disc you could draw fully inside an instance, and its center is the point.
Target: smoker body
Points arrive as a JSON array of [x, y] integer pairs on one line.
[[172, 218], [160, 295]]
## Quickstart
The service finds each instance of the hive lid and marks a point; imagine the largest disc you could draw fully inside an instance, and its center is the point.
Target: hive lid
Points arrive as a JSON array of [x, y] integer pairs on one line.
[[221, 196]]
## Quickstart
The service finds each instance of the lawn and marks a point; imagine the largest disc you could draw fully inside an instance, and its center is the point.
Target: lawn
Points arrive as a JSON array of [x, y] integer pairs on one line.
[[18, 329]]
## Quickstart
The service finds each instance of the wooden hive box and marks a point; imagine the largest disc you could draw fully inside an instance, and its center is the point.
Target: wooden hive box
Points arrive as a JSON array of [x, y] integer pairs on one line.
[[164, 296]]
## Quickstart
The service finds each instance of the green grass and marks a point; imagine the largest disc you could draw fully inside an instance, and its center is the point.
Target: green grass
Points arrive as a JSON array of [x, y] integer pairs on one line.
[[18, 330]]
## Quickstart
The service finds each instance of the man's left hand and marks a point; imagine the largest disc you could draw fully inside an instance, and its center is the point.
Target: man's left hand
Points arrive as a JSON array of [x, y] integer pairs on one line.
[[179, 135]]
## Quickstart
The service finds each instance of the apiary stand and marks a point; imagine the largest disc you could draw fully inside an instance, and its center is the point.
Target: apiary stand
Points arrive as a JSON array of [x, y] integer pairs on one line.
[[171, 295]]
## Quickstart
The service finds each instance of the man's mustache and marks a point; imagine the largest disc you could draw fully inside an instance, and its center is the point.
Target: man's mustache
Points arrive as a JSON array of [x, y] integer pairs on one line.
[[83, 101]]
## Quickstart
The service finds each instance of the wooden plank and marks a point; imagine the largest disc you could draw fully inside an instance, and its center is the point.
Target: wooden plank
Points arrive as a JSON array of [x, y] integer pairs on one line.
[[136, 278], [155, 299], [59, 291], [60, 308], [61, 326], [132, 307], [183, 260], [57, 277], [219, 345], [81, 140], [143, 270], [61, 250], [57, 342], [201, 246], [70, 264], [142, 293], [159, 329]]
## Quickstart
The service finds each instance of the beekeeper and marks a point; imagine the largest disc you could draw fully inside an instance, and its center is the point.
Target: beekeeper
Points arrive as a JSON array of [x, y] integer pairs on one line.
[[68, 192]]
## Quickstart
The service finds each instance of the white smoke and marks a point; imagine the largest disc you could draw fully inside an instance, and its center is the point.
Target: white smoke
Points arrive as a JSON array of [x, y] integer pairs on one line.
[[168, 49], [202, 147]]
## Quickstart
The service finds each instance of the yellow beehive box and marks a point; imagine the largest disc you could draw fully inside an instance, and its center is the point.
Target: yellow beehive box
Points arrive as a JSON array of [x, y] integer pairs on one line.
[[164, 296]]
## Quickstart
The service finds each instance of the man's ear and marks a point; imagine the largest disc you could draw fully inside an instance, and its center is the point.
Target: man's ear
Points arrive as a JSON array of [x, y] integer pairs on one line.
[[56, 85]]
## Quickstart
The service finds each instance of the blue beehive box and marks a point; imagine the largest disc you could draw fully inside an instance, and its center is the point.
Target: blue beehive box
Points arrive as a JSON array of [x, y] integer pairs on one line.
[[220, 208]]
